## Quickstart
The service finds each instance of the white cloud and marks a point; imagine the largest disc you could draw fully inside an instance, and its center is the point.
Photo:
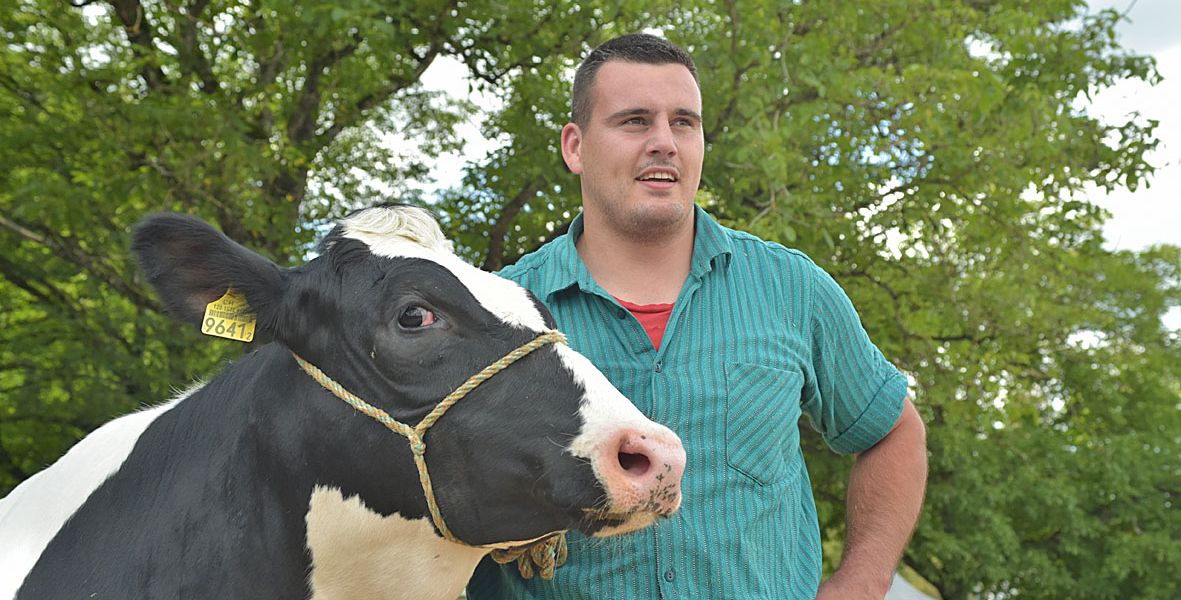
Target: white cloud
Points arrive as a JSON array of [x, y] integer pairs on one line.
[[1151, 25], [447, 74], [1151, 214]]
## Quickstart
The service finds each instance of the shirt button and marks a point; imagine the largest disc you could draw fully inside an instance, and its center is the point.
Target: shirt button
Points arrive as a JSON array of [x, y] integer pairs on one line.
[[670, 575], [659, 368]]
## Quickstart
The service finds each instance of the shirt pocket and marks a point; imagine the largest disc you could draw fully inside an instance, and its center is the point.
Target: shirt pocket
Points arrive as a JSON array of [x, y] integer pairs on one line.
[[762, 420]]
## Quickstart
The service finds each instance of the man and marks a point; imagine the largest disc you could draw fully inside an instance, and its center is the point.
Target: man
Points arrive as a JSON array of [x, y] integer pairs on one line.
[[725, 338]]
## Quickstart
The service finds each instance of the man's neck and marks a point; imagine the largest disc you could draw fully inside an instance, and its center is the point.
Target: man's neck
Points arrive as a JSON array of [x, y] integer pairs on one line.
[[642, 271]]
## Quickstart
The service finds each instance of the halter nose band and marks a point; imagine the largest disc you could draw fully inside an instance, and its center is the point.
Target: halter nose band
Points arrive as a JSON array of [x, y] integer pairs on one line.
[[552, 545]]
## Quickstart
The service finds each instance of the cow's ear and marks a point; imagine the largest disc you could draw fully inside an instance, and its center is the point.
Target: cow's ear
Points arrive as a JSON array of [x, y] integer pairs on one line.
[[192, 264]]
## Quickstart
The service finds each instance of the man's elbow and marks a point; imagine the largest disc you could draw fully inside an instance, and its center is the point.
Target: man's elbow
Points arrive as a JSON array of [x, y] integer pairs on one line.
[[911, 421], [908, 432]]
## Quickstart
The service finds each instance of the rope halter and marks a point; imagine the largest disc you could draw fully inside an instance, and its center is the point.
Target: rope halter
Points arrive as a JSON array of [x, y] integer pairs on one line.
[[548, 552]]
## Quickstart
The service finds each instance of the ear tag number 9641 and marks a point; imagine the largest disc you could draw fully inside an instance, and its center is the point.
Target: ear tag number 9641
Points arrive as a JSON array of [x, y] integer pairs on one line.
[[229, 317]]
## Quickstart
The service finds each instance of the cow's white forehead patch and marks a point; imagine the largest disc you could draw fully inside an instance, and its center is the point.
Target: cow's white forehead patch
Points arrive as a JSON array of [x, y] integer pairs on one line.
[[397, 223], [410, 232]]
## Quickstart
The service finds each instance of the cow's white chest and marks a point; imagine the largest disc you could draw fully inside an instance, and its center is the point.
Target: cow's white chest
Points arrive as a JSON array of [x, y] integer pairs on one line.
[[357, 553]]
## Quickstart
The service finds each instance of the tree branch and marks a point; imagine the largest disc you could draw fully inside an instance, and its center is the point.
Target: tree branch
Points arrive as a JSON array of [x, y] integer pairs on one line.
[[894, 298], [493, 77], [59, 302], [495, 258], [49, 296], [348, 118], [268, 72], [302, 124], [344, 119], [735, 81], [11, 85], [68, 248], [878, 42], [192, 59], [139, 33], [555, 234], [19, 365]]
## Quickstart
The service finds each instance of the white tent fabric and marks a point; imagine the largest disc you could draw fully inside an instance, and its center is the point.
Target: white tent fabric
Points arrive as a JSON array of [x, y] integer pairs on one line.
[[901, 590]]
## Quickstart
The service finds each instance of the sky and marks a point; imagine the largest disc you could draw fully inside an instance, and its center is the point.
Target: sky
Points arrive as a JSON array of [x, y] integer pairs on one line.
[[1151, 214]]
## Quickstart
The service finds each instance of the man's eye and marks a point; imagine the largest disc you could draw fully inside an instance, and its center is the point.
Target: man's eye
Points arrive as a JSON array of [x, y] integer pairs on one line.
[[415, 317]]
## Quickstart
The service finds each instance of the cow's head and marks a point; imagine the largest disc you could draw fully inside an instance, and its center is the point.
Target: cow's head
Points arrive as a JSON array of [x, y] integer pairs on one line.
[[392, 314]]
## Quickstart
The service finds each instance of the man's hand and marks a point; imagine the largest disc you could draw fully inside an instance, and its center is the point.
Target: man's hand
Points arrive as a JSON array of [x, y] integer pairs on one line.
[[885, 494]]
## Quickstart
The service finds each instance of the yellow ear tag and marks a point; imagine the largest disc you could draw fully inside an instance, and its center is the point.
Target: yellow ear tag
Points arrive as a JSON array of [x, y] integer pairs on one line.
[[229, 317]]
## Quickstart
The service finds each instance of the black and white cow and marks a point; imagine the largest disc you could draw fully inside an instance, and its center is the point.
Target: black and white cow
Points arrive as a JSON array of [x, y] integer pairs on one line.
[[262, 484]]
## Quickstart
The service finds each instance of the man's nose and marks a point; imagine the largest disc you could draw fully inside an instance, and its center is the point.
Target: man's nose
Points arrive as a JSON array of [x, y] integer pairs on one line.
[[662, 142]]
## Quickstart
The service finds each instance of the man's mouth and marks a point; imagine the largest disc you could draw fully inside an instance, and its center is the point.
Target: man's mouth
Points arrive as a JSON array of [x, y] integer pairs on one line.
[[658, 176]]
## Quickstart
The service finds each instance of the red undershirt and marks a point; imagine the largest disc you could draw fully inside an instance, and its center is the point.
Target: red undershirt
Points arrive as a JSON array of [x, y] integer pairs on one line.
[[654, 318]]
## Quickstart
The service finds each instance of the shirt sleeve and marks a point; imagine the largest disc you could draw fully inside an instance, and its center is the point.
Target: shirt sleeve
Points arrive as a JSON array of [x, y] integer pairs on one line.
[[852, 395]]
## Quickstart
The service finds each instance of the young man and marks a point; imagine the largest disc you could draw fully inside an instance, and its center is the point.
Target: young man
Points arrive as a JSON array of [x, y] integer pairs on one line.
[[725, 338]]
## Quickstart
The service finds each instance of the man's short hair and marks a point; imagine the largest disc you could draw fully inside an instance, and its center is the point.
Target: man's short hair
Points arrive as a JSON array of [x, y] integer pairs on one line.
[[633, 47]]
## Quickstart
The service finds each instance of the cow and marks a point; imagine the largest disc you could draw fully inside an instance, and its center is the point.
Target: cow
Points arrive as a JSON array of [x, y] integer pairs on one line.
[[268, 481]]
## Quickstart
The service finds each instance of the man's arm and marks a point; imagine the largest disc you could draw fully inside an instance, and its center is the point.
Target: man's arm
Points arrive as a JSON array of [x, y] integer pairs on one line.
[[884, 497]]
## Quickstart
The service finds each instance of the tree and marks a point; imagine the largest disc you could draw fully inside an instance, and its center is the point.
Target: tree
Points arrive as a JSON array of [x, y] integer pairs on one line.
[[264, 117]]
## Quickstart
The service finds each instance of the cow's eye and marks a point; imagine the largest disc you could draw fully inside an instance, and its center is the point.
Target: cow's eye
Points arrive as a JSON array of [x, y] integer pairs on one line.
[[415, 317]]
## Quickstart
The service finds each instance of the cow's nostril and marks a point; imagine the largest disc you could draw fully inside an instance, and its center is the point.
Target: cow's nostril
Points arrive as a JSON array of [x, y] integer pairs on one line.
[[635, 464], [640, 469]]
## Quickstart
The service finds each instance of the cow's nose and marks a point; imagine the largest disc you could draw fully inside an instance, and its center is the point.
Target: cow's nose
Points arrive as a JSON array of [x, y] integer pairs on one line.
[[642, 470]]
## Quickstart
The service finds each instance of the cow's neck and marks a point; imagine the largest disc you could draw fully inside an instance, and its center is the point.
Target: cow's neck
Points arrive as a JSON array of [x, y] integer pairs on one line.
[[367, 531], [357, 553], [289, 438], [320, 441]]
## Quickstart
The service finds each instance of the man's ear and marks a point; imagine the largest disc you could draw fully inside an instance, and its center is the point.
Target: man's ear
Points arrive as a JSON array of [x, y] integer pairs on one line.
[[191, 264], [572, 147]]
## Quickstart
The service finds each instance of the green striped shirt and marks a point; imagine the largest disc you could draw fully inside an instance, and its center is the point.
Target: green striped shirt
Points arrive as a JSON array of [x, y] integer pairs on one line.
[[758, 336]]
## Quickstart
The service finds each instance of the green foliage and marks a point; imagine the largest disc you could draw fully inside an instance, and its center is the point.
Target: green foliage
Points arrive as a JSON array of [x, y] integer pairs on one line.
[[263, 117], [931, 155]]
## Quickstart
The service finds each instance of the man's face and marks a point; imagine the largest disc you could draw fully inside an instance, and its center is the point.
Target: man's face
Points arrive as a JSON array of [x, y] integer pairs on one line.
[[640, 152]]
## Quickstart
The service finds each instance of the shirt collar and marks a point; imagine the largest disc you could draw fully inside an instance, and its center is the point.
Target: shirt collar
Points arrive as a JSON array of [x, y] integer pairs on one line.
[[711, 247]]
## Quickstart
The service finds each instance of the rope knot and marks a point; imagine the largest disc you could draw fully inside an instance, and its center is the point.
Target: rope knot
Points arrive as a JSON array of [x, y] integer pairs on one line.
[[540, 557]]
